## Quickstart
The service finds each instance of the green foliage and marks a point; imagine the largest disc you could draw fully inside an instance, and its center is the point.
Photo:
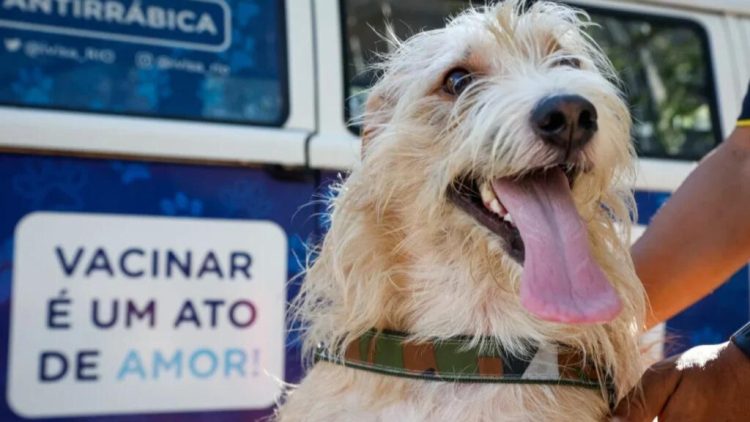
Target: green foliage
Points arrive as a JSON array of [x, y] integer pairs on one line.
[[664, 70]]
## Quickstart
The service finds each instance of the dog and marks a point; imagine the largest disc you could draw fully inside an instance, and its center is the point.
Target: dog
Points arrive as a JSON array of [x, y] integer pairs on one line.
[[491, 212]]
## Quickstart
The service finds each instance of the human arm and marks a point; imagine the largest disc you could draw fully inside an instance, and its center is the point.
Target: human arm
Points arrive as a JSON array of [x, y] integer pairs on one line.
[[699, 238], [702, 234]]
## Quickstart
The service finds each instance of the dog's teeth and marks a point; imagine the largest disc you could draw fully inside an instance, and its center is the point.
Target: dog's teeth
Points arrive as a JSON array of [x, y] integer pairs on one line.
[[496, 207], [490, 200], [508, 218], [487, 194]]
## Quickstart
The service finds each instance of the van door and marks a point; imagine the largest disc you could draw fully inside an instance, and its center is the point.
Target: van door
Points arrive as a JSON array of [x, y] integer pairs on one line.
[[153, 181]]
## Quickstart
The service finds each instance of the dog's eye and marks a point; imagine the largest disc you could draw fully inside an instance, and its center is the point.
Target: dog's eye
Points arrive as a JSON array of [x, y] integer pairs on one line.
[[569, 62], [456, 81]]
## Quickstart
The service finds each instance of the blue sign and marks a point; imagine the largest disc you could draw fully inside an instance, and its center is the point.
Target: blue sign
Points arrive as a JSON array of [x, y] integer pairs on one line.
[[192, 24], [210, 60]]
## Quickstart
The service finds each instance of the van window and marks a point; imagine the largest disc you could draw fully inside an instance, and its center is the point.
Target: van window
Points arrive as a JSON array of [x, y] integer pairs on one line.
[[203, 60], [664, 63], [665, 66]]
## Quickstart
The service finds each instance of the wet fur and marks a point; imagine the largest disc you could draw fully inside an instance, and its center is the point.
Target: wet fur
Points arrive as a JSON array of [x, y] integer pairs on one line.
[[399, 255]]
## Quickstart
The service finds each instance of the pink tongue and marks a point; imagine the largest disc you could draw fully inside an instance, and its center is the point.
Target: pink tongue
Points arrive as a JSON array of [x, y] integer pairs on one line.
[[561, 281]]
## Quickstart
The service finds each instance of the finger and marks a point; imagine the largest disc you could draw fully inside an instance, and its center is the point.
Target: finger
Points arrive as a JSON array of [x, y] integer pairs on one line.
[[656, 387]]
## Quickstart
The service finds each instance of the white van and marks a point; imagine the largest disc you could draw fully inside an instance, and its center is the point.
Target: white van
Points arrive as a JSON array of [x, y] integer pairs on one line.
[[160, 161]]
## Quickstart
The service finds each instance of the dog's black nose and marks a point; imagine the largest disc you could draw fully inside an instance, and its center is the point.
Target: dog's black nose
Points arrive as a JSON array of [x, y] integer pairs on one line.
[[565, 121]]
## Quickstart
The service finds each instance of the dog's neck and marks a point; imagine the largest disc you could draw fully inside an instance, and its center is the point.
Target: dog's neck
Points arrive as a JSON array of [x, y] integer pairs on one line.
[[447, 297]]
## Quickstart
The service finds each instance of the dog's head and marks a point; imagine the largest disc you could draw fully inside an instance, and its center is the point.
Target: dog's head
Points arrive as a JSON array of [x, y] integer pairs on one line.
[[490, 196], [507, 120]]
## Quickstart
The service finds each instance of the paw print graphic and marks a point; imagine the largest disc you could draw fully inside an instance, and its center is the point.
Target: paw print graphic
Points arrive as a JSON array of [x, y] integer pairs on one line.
[[33, 86], [151, 86], [51, 185], [131, 172], [180, 204], [245, 12], [246, 199], [244, 58], [6, 267], [212, 95]]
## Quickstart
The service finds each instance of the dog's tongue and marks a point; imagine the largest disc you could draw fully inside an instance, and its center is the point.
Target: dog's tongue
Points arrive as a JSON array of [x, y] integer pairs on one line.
[[561, 281]]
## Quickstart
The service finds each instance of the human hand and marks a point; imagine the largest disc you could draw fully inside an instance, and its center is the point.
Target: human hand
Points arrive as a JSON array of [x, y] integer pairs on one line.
[[706, 383]]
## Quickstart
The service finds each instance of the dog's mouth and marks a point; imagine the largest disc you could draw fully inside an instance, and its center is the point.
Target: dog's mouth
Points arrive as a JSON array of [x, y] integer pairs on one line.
[[479, 200], [535, 216]]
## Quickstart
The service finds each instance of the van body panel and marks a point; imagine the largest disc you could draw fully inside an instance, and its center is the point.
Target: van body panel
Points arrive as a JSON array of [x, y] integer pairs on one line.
[[334, 146], [141, 137], [81, 162]]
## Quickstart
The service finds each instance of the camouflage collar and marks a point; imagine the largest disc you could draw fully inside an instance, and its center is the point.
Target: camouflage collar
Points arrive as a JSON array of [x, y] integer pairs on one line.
[[456, 360]]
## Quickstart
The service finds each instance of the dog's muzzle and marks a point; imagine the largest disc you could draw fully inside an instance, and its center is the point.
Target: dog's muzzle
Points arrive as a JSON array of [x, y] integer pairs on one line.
[[536, 217]]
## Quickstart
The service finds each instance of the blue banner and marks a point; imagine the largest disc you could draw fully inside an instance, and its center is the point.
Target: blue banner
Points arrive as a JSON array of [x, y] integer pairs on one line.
[[192, 24], [212, 60]]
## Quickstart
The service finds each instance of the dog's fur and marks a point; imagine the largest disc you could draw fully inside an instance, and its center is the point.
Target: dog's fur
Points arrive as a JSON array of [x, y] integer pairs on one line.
[[400, 255]]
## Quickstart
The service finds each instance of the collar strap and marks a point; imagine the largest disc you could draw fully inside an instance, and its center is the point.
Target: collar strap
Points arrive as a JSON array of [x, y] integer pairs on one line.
[[456, 360]]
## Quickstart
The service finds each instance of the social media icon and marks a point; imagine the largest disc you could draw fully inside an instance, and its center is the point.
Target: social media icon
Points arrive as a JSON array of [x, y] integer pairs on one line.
[[13, 44]]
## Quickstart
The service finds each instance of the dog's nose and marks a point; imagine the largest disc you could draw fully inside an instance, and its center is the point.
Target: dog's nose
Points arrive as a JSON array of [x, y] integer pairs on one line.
[[567, 122]]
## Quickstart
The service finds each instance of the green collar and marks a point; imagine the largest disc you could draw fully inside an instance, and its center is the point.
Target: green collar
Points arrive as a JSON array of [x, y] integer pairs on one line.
[[456, 360]]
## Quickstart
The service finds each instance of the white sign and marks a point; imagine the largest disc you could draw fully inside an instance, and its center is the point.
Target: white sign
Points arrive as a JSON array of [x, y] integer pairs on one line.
[[122, 314]]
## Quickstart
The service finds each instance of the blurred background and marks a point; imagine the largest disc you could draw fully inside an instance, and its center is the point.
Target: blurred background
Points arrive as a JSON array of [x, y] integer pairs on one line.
[[161, 164]]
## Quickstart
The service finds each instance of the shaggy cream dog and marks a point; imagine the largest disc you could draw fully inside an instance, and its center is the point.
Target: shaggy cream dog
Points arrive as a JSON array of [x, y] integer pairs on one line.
[[490, 204]]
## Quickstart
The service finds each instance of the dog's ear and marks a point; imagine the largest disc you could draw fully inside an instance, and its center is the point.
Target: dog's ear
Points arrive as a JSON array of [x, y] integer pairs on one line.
[[375, 118]]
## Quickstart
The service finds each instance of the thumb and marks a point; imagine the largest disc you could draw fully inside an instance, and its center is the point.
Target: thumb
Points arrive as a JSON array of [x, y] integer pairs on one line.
[[646, 401]]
